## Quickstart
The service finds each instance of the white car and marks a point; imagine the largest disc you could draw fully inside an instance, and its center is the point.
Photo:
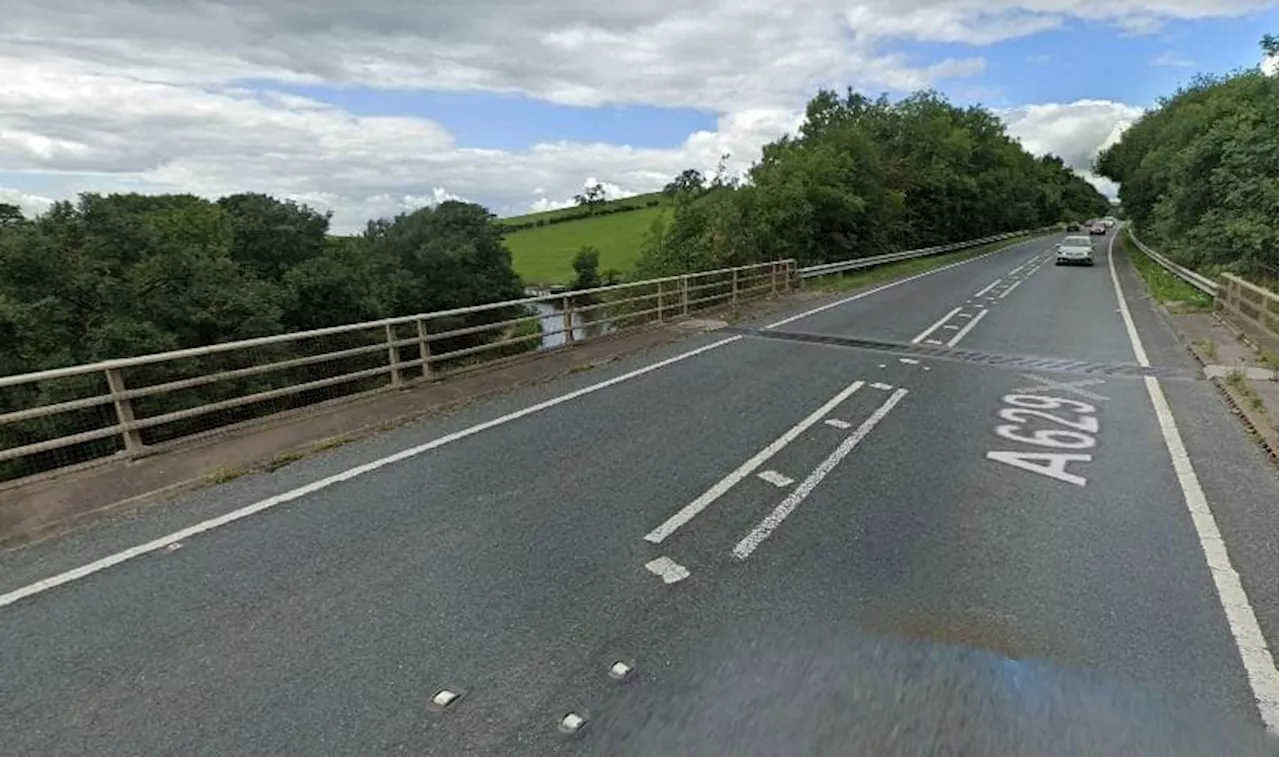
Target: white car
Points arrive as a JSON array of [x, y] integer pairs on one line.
[[1076, 249]]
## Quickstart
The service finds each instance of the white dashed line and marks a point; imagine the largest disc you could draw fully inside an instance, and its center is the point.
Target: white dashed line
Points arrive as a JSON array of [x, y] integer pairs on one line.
[[882, 386], [775, 478], [967, 328], [687, 513], [744, 548], [1006, 292], [667, 569], [988, 288], [934, 326], [837, 423], [908, 360]]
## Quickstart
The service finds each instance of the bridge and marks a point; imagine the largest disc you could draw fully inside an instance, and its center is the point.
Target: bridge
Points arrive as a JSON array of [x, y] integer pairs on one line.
[[996, 455]]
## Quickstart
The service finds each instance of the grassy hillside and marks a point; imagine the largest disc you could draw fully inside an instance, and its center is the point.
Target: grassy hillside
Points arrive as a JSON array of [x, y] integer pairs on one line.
[[544, 255], [638, 201]]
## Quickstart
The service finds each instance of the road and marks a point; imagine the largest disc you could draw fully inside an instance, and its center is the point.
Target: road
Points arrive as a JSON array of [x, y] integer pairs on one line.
[[971, 460]]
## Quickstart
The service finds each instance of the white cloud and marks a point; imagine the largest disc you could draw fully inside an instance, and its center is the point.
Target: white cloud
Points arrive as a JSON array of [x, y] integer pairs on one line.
[[151, 95], [1171, 59], [31, 204], [1075, 132]]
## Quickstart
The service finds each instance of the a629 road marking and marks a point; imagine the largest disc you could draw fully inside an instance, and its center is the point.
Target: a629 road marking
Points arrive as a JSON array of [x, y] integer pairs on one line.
[[1071, 427]]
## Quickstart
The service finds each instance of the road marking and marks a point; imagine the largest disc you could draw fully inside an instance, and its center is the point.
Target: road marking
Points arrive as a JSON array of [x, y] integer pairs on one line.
[[881, 288], [837, 423], [967, 328], [1070, 387], [881, 385], [1019, 268], [117, 558], [933, 341], [951, 326], [935, 325], [1006, 292], [908, 360], [1259, 666], [743, 549], [687, 513], [669, 570], [988, 288], [964, 315], [775, 478]]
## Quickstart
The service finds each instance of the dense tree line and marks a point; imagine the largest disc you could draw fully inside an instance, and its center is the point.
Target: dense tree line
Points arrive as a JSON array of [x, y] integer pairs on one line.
[[1198, 173], [864, 177], [113, 276]]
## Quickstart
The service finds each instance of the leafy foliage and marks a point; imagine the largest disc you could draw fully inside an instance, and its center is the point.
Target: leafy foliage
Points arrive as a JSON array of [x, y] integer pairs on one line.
[[864, 177], [1198, 174]]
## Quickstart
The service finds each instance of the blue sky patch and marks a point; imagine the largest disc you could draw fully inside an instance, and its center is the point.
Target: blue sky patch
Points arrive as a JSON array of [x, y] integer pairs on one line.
[[511, 122]]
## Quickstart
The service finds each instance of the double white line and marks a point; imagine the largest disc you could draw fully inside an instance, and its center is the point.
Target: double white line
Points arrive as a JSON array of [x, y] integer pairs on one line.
[[771, 522]]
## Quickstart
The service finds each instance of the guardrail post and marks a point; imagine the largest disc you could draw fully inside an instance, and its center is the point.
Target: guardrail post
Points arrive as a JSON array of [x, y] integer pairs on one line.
[[393, 355], [659, 302], [684, 295], [733, 294], [424, 348], [124, 412], [568, 319], [773, 278]]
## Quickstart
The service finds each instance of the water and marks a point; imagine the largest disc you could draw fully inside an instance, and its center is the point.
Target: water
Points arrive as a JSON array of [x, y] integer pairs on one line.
[[551, 316]]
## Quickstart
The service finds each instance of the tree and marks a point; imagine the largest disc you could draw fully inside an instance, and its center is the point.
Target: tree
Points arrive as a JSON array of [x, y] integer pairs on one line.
[[1270, 45], [591, 197], [10, 215], [1197, 174], [689, 182], [586, 268]]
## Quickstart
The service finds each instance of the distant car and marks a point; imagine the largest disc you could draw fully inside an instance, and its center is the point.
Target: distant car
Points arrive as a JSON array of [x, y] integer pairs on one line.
[[1076, 249], [1097, 228], [1108, 222]]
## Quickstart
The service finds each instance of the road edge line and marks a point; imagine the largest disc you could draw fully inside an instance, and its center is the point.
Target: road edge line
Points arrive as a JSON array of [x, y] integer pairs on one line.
[[1251, 645], [95, 566]]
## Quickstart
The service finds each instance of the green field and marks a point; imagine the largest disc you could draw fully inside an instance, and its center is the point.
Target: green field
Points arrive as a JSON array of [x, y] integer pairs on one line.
[[544, 255], [637, 201]]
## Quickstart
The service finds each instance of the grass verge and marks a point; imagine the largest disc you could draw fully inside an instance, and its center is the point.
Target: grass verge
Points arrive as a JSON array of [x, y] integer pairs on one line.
[[1165, 288], [870, 276], [544, 255]]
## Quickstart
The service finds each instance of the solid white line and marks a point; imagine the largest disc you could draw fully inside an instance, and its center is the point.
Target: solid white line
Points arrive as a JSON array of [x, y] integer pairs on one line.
[[744, 548], [775, 478], [988, 288], [687, 513], [837, 423], [1259, 666], [670, 570], [934, 326], [324, 483], [315, 486], [967, 328], [1006, 292]]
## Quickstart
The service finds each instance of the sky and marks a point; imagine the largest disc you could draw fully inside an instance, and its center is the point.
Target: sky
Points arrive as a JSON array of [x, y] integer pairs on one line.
[[372, 108]]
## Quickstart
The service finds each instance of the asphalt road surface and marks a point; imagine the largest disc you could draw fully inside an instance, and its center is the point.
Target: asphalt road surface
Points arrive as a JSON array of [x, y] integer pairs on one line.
[[990, 509]]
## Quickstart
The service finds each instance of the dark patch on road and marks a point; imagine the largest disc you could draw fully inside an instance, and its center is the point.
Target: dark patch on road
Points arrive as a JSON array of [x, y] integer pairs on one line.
[[994, 359]]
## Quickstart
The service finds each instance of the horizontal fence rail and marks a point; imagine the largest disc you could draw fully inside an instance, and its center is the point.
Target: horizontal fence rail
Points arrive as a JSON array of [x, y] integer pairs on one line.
[[70, 418], [842, 266], [1203, 283], [74, 417], [1251, 309]]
